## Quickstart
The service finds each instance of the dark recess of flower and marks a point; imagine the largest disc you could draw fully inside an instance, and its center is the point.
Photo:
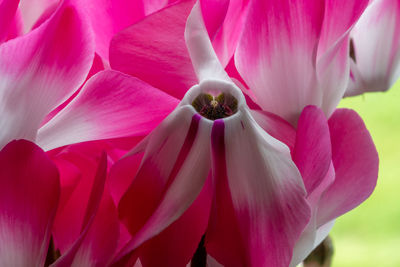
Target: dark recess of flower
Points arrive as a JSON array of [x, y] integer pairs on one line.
[[213, 108]]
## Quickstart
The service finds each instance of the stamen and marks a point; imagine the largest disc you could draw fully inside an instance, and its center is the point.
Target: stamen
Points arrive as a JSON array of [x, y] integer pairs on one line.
[[213, 108]]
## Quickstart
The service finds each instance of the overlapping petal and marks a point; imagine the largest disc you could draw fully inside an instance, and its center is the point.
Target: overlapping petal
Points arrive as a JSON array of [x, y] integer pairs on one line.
[[157, 44], [171, 176], [55, 60]]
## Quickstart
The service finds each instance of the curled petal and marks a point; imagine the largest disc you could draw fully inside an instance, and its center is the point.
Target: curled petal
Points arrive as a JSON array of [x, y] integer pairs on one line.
[[355, 159], [110, 105], [376, 48], [205, 62]]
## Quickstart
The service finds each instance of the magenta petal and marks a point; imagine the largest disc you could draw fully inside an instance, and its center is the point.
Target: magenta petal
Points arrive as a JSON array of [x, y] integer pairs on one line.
[[29, 195], [185, 234], [110, 105], [55, 61], [172, 174], [355, 160], [84, 250], [8, 10], [312, 151], [259, 210], [156, 45], [276, 54], [276, 127]]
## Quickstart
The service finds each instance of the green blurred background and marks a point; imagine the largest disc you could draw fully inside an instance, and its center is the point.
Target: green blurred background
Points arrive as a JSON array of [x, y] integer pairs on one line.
[[369, 236]]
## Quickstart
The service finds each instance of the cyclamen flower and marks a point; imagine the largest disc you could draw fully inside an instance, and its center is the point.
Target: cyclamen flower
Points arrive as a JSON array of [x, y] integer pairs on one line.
[[375, 48], [254, 185], [335, 180]]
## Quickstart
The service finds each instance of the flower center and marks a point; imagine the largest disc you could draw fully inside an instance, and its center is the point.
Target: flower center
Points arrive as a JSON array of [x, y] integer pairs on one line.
[[215, 107]]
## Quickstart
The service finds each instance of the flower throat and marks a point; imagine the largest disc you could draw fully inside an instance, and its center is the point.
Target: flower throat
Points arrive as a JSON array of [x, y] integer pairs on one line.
[[215, 107]]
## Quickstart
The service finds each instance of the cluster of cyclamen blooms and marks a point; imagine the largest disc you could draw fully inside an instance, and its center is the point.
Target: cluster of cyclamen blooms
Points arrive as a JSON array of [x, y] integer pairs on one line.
[[227, 108]]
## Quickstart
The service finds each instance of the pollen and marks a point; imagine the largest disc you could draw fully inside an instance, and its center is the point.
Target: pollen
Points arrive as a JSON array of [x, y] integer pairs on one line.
[[215, 107]]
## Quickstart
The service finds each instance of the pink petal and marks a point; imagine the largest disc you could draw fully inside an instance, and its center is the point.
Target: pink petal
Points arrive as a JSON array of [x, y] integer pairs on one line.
[[70, 215], [99, 223], [276, 54], [312, 151], [55, 60], [7, 14], [185, 234], [110, 105], [156, 44], [15, 29], [259, 210], [333, 49], [171, 176], [276, 127], [376, 40], [356, 165], [30, 189], [115, 16]]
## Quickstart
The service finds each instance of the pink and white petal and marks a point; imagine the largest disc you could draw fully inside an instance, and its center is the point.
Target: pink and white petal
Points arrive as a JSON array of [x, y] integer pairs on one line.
[[276, 55], [8, 10], [157, 44], [312, 151], [30, 190], [355, 159], [333, 49], [97, 66], [57, 57], [275, 126], [110, 105], [376, 40], [171, 176], [205, 62], [260, 208]]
